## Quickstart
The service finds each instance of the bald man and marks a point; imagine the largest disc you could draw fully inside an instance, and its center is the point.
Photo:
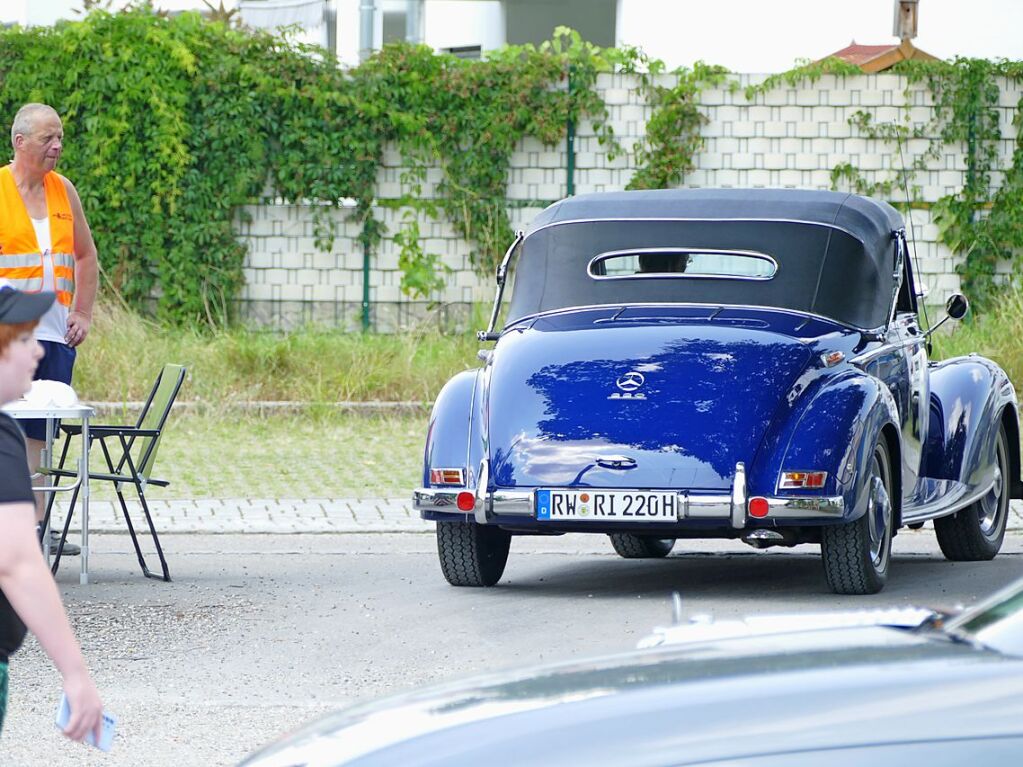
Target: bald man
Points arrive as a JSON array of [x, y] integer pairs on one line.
[[46, 245]]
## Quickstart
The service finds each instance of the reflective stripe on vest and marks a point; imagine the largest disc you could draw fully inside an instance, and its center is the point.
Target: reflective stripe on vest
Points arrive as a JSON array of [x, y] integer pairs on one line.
[[27, 284], [21, 261]]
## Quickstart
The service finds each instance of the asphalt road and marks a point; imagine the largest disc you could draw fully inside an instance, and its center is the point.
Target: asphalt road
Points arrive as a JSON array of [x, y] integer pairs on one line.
[[261, 632]]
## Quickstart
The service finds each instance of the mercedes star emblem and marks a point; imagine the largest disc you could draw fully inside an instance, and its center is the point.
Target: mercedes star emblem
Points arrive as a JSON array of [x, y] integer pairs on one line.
[[630, 381]]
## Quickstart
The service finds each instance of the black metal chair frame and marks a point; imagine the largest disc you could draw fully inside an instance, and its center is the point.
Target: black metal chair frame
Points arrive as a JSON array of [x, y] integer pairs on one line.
[[126, 471]]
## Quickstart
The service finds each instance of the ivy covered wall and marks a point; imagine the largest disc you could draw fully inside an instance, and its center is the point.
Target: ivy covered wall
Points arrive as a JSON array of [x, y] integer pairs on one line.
[[869, 133]]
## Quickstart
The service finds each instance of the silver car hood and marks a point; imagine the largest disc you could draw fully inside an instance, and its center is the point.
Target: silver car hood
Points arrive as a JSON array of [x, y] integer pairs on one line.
[[703, 628], [686, 704]]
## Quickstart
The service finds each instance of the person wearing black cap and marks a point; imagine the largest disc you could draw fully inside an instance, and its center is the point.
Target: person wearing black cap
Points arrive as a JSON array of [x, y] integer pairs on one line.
[[28, 594]]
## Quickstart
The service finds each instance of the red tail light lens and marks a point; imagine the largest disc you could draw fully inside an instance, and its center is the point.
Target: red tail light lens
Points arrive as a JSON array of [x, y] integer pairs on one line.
[[758, 507], [798, 480], [815, 479], [465, 501], [447, 477]]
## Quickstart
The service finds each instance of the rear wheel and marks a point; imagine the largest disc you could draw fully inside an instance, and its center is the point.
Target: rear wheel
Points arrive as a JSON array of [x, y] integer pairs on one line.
[[472, 554], [631, 546], [976, 532], [857, 554]]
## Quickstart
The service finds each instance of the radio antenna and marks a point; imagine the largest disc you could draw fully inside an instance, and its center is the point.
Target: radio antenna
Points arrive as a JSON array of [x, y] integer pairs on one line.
[[912, 232]]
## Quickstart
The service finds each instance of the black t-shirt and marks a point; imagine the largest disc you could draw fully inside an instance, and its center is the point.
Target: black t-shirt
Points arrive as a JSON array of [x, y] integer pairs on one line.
[[15, 487]]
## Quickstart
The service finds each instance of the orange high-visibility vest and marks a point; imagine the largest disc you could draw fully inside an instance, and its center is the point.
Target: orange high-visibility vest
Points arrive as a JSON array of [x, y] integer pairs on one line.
[[21, 259]]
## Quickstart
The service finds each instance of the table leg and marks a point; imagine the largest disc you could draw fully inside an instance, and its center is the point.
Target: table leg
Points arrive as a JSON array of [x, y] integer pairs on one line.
[[84, 468], [45, 460]]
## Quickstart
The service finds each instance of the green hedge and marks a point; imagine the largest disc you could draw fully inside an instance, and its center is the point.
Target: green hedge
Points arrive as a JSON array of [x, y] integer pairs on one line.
[[172, 123]]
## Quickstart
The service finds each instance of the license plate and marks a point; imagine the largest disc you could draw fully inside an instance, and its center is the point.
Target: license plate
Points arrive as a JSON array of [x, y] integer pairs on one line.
[[607, 506]]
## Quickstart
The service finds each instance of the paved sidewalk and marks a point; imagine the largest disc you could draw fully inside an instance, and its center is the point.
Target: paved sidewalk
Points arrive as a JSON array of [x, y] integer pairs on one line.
[[282, 515]]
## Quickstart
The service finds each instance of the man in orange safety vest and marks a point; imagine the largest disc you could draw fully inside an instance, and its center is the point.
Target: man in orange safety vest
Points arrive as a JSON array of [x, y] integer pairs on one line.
[[46, 245]]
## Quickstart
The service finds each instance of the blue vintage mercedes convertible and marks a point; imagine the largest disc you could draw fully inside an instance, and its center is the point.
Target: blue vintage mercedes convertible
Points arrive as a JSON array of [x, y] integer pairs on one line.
[[718, 364]]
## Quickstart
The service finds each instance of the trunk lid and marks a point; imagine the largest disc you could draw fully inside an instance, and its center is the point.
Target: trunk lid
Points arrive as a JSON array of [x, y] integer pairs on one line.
[[658, 404]]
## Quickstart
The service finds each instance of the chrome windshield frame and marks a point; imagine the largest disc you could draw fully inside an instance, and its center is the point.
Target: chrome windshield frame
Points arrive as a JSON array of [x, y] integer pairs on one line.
[[502, 274]]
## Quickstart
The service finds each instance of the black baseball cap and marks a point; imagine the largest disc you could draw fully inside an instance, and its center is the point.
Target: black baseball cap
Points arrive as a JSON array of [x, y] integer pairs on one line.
[[17, 306]]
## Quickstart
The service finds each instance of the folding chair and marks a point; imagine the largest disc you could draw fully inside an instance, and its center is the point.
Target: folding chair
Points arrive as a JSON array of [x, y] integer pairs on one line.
[[133, 466]]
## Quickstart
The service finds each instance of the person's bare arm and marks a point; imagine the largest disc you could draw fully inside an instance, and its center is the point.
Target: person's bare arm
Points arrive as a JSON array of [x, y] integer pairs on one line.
[[86, 272], [32, 592]]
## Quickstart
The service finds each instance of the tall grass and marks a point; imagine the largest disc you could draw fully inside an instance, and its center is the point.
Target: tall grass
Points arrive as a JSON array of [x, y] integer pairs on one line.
[[124, 352], [997, 334]]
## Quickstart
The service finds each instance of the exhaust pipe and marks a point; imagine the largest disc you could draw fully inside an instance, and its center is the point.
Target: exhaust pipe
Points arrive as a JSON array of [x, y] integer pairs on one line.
[[763, 539]]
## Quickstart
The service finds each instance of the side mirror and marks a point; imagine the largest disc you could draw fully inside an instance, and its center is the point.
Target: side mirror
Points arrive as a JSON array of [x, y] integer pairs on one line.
[[957, 306], [955, 309]]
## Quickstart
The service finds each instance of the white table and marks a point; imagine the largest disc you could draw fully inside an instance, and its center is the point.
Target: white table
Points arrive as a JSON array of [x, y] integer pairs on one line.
[[22, 409]]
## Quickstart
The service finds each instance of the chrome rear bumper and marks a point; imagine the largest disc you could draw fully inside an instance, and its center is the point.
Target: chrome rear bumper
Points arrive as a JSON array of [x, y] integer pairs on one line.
[[520, 503]]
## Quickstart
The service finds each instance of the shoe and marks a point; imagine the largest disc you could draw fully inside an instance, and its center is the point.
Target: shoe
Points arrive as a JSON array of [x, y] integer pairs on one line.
[[70, 549]]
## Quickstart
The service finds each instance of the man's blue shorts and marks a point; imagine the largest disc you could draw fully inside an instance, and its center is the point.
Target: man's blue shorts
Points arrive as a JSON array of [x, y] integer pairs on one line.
[[56, 365]]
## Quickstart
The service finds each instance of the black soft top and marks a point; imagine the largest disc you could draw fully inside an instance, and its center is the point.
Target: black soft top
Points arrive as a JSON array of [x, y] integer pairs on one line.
[[836, 252]]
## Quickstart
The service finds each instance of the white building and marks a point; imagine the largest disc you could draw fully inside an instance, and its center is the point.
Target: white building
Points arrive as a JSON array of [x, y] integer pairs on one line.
[[743, 35], [464, 27]]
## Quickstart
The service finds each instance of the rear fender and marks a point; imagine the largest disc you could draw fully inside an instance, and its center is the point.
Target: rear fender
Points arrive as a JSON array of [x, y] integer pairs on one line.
[[970, 397], [453, 439], [836, 431]]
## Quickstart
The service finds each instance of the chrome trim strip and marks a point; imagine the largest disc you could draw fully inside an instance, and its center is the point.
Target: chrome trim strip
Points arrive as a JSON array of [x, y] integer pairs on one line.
[[431, 499], [696, 251], [738, 515], [706, 507], [887, 346], [512, 502], [781, 309], [480, 508], [807, 507], [472, 411], [502, 273], [612, 220], [926, 512]]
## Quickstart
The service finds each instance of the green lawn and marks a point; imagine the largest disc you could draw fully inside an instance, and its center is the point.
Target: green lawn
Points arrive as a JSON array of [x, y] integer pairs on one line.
[[286, 456], [124, 353]]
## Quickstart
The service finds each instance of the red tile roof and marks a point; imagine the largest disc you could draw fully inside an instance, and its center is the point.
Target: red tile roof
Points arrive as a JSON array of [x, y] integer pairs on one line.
[[860, 54], [877, 58]]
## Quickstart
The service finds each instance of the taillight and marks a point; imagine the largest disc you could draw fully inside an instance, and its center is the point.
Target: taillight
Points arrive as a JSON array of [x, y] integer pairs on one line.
[[465, 501], [799, 480], [447, 477], [758, 507]]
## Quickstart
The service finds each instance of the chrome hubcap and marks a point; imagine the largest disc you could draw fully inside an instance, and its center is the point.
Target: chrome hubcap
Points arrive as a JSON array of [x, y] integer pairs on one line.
[[879, 516], [990, 506]]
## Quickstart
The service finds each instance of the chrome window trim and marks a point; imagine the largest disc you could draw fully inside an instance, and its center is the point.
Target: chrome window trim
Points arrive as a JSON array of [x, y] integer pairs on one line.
[[888, 346], [681, 275]]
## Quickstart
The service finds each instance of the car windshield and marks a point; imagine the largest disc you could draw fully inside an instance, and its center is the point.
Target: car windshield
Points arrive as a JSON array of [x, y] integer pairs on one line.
[[997, 622]]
